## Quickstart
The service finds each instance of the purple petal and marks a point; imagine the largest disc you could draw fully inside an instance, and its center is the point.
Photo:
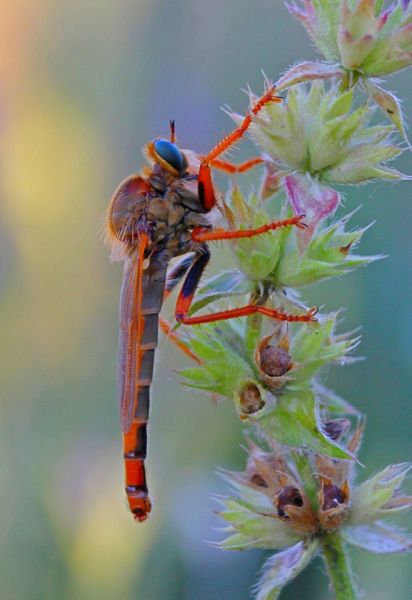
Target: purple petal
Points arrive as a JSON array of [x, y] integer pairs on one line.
[[310, 198], [305, 14], [283, 567], [405, 4], [295, 10], [298, 13], [378, 537]]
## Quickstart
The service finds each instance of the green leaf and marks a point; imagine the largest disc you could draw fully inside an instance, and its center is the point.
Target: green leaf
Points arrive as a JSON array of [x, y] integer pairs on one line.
[[327, 16], [314, 98], [235, 542], [373, 135], [221, 366], [257, 530], [295, 272], [340, 106], [390, 106], [370, 498], [363, 162], [378, 6], [251, 497], [314, 345], [327, 255], [295, 422]]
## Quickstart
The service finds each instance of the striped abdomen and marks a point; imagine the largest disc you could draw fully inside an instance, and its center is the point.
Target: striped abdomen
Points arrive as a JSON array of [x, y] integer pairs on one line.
[[140, 304]]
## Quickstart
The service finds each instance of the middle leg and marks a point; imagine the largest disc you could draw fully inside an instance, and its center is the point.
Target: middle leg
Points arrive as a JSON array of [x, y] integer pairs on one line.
[[205, 235], [174, 275], [188, 291]]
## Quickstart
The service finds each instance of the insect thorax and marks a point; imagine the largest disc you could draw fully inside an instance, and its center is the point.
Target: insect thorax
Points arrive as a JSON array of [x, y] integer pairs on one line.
[[166, 208]]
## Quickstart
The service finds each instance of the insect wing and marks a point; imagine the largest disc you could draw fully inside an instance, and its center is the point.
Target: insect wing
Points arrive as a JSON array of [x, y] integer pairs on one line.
[[130, 336]]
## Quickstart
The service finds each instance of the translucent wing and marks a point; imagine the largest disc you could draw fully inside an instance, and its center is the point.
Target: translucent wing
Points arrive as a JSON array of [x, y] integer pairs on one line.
[[131, 334]]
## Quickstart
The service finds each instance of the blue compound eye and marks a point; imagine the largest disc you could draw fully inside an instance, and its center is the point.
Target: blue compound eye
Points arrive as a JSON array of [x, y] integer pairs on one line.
[[170, 157]]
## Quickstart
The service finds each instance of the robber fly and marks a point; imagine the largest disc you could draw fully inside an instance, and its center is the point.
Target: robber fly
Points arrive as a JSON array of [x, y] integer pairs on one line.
[[162, 213]]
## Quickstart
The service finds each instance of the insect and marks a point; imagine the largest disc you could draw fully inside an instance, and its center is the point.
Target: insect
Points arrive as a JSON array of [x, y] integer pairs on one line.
[[157, 215]]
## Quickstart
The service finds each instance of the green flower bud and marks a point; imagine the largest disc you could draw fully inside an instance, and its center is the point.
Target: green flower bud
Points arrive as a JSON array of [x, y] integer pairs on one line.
[[391, 53], [257, 256], [316, 132], [362, 35], [357, 33]]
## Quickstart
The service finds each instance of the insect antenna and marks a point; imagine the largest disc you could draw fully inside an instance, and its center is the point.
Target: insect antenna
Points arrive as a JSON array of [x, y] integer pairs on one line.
[[172, 131]]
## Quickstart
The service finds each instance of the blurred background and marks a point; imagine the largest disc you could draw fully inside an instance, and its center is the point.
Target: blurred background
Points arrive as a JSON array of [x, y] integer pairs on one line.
[[83, 86]]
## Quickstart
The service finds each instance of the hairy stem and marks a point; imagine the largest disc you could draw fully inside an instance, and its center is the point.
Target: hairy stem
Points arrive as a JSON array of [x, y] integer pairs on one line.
[[338, 567]]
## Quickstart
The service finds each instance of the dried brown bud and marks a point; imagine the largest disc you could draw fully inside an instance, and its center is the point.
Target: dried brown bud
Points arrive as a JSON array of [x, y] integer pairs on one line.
[[266, 470], [257, 480], [288, 496], [275, 362], [293, 506], [332, 496], [335, 428], [250, 398], [333, 504]]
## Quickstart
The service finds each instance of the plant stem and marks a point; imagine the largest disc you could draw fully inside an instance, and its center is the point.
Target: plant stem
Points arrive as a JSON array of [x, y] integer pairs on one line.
[[338, 567]]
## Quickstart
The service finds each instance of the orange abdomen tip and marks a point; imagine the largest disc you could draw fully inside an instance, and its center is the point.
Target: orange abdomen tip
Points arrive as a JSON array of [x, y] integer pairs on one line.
[[140, 507]]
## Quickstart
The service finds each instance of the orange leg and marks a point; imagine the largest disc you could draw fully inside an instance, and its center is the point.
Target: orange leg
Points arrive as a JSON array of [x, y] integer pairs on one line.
[[234, 313], [231, 169], [236, 134], [204, 235], [174, 275], [187, 293], [168, 331], [206, 191]]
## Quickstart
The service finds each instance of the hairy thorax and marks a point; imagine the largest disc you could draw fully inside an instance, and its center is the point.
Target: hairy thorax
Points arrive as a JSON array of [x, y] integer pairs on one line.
[[165, 207]]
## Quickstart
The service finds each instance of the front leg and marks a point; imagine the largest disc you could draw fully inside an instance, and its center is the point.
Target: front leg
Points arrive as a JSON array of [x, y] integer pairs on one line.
[[232, 169], [205, 184]]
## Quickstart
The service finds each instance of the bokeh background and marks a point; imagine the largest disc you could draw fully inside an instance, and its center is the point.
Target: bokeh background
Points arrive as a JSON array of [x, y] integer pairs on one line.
[[83, 86]]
